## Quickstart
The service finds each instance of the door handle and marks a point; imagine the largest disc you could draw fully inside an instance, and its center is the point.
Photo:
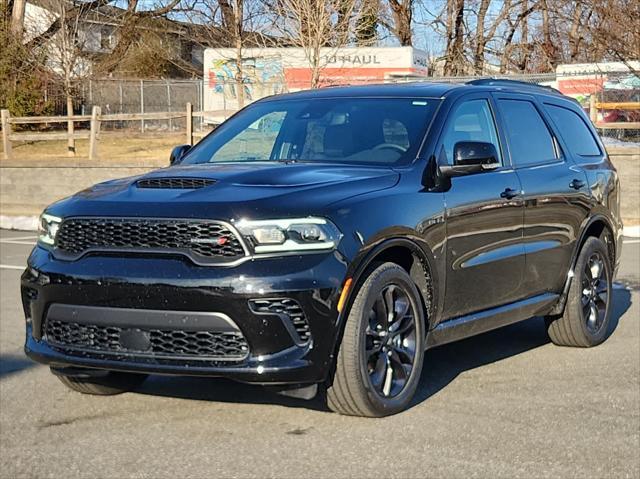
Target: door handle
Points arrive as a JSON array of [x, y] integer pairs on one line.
[[577, 184], [509, 193]]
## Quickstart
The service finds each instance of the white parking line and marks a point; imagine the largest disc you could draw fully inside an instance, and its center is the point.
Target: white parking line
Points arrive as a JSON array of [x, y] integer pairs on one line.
[[633, 241], [28, 243], [18, 238], [10, 266]]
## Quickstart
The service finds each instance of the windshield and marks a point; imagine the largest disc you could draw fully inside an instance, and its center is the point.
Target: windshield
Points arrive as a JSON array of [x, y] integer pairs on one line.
[[372, 131]]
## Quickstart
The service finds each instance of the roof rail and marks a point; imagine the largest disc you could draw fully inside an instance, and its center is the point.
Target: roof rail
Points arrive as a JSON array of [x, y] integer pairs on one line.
[[512, 83]]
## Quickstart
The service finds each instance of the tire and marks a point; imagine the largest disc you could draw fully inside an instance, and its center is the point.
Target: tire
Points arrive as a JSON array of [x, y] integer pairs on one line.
[[109, 384], [581, 325], [364, 387]]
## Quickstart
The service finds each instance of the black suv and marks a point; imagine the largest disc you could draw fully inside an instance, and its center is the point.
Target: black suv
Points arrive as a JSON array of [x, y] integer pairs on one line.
[[321, 241]]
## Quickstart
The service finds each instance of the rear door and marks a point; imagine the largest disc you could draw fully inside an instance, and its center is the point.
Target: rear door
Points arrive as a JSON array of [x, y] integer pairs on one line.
[[555, 192], [484, 218]]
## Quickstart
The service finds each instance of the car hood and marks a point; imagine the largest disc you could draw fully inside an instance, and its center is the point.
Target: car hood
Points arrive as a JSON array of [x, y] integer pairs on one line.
[[256, 190]]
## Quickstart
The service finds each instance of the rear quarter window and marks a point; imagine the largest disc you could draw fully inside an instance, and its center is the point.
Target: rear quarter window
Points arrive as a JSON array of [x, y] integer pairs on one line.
[[574, 131], [530, 141]]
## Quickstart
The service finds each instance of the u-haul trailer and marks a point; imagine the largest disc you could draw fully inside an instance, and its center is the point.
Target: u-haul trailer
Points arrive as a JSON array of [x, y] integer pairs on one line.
[[269, 71]]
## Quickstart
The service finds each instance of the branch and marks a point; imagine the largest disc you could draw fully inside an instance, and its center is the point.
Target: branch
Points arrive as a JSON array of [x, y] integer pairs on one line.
[[73, 13]]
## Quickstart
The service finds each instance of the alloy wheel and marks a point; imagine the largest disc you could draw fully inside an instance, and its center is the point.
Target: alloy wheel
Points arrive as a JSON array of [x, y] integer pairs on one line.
[[595, 293], [391, 341]]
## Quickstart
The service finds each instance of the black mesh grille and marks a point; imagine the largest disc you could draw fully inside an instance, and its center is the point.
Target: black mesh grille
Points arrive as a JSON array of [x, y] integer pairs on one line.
[[205, 240], [174, 183], [289, 307], [150, 342]]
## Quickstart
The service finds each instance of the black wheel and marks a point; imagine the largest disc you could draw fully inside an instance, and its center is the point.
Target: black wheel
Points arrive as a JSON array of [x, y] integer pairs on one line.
[[588, 310], [380, 358], [105, 385]]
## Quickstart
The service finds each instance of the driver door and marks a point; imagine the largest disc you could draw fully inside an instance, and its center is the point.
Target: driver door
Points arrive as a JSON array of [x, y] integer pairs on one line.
[[484, 214]]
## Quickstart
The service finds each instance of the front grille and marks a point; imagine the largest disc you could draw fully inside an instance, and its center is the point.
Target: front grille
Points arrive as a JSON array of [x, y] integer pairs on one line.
[[157, 343], [175, 183], [289, 308], [205, 241]]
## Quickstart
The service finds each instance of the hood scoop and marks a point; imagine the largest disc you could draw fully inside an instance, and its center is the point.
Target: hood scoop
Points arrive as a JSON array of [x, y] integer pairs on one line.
[[178, 183]]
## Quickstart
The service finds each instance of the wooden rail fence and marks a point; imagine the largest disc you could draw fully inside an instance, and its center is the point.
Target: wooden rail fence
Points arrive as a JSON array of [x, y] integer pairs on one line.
[[95, 120], [595, 106]]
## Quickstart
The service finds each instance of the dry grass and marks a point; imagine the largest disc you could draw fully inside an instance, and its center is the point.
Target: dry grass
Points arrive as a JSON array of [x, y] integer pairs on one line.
[[113, 148]]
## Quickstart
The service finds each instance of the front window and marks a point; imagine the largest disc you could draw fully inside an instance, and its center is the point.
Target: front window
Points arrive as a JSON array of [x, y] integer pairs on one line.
[[373, 131], [471, 121]]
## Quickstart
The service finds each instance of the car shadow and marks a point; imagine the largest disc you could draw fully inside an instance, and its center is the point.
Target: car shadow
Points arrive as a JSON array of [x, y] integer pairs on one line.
[[222, 390], [442, 365], [14, 364]]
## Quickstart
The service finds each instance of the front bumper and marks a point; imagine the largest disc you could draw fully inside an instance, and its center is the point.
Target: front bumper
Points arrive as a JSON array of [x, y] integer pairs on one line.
[[173, 287]]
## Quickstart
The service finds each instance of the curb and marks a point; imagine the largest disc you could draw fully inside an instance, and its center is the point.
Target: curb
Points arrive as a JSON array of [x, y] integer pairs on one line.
[[24, 223], [631, 231]]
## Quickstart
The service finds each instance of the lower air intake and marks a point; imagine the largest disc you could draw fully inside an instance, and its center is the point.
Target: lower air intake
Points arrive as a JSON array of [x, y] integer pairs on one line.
[[290, 310], [157, 343]]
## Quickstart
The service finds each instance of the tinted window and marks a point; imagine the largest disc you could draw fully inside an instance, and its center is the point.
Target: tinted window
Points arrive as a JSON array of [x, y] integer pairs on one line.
[[255, 143], [470, 121], [395, 133], [574, 131], [384, 131], [529, 138]]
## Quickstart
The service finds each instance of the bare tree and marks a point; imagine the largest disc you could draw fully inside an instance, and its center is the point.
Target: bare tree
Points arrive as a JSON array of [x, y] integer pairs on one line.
[[517, 54], [74, 8], [486, 33], [549, 49], [64, 49], [243, 22], [233, 21], [129, 18], [236, 24], [400, 21], [368, 18], [579, 19], [571, 31], [17, 17], [615, 30], [313, 25], [454, 54]]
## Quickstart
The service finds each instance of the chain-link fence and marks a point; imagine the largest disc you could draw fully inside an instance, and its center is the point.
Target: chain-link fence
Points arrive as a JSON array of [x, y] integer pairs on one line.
[[142, 96], [611, 89], [131, 96]]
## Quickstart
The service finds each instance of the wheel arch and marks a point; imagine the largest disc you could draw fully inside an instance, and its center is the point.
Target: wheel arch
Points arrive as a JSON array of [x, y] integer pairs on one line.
[[417, 260], [594, 227]]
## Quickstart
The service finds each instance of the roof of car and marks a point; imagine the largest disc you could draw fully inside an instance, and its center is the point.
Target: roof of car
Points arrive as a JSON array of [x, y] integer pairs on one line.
[[422, 89], [412, 89]]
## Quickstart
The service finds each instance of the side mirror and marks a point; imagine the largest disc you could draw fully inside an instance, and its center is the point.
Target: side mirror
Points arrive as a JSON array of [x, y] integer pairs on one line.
[[471, 157], [177, 153]]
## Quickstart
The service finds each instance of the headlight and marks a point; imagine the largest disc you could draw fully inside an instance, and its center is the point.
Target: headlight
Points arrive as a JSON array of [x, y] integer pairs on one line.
[[48, 228], [290, 235]]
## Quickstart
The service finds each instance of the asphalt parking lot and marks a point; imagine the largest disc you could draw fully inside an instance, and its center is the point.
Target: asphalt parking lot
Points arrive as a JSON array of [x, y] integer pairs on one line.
[[504, 404]]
